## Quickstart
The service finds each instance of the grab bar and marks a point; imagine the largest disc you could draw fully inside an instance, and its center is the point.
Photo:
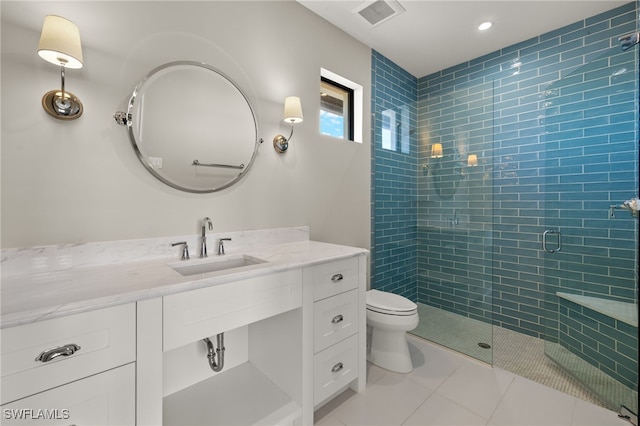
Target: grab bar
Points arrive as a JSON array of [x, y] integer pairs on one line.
[[224, 166]]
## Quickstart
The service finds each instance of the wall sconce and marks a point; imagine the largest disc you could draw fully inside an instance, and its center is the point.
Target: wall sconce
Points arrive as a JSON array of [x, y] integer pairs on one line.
[[292, 115], [60, 45], [436, 150], [472, 160]]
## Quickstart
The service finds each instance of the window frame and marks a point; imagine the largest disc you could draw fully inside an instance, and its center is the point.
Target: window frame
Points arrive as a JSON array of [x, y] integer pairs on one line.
[[357, 104], [349, 118]]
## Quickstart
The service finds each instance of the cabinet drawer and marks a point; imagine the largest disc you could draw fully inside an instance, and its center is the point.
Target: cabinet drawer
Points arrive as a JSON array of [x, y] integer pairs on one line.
[[104, 399], [106, 339], [332, 278], [334, 368], [334, 319], [196, 314]]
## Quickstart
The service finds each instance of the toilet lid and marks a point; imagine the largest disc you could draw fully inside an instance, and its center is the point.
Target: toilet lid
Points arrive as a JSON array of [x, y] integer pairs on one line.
[[382, 301]]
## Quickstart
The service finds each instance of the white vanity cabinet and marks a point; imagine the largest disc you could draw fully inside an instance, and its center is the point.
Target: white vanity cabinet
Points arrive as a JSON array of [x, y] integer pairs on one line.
[[122, 344], [339, 322], [293, 341], [76, 369], [261, 381]]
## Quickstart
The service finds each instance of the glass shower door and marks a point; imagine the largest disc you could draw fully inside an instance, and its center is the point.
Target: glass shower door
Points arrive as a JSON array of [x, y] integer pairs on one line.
[[590, 244], [455, 220]]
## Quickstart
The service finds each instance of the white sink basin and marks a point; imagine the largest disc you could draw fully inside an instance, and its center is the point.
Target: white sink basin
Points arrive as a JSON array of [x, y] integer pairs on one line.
[[214, 264]]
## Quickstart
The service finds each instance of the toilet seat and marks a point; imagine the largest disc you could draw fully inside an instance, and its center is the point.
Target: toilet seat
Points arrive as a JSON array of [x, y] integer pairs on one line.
[[390, 304]]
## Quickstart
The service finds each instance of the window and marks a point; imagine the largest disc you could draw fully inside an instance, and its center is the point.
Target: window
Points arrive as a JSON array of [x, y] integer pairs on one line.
[[341, 107], [336, 109]]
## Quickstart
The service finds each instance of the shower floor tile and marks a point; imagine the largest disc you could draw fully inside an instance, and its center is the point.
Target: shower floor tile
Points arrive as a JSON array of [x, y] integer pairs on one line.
[[512, 351], [455, 332], [448, 388]]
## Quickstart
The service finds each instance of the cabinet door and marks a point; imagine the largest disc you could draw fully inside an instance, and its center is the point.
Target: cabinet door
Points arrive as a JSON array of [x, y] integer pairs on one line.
[[104, 399]]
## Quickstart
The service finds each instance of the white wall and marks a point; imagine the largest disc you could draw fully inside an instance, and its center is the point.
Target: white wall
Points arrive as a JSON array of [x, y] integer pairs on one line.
[[80, 181]]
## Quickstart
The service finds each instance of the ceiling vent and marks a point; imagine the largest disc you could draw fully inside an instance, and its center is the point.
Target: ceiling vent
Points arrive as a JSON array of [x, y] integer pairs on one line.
[[378, 11]]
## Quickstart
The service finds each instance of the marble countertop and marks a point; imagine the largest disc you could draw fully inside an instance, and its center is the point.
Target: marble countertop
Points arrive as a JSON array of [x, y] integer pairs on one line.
[[38, 296]]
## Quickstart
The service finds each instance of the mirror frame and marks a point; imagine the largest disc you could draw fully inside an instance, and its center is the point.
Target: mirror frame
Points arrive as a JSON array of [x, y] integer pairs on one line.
[[135, 144]]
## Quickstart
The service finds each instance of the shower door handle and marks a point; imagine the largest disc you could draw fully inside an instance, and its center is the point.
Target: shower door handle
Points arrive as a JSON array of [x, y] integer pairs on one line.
[[545, 234]]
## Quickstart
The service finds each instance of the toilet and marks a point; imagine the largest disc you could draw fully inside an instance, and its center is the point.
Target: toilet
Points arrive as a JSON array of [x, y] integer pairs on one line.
[[390, 316]]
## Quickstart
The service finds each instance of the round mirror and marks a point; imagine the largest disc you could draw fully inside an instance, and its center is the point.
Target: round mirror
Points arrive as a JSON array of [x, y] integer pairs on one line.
[[192, 127]]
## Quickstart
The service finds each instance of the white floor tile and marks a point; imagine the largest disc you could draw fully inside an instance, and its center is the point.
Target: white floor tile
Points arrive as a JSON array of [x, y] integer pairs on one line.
[[439, 411], [374, 373], [388, 402], [449, 389], [324, 415], [586, 414], [530, 403], [432, 365], [328, 420], [476, 387]]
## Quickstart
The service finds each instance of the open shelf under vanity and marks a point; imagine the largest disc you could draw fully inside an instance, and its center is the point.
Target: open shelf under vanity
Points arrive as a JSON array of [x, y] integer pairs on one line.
[[242, 395], [259, 384]]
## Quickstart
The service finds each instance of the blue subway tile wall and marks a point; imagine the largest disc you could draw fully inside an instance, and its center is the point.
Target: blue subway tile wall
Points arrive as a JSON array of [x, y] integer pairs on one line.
[[590, 150], [394, 163], [584, 175], [543, 160], [455, 219]]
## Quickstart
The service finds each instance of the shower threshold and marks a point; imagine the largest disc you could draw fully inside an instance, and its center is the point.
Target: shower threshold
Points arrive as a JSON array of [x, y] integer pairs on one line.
[[628, 415]]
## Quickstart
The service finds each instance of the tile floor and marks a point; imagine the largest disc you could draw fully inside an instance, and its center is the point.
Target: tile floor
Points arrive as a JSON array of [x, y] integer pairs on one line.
[[447, 388]]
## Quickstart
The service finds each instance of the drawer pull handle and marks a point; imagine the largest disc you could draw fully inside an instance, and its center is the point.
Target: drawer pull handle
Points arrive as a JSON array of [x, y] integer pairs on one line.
[[337, 319], [51, 354], [337, 367], [337, 277]]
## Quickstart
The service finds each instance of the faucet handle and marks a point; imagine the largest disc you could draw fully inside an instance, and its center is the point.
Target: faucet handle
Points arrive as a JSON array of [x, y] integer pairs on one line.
[[185, 249], [221, 245]]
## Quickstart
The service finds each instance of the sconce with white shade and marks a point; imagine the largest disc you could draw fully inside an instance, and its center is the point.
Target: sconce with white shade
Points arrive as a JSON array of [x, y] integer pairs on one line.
[[60, 45], [436, 150], [292, 115], [472, 160]]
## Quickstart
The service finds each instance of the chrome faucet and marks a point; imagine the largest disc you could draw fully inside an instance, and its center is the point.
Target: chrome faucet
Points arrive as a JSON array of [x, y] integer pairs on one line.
[[203, 244]]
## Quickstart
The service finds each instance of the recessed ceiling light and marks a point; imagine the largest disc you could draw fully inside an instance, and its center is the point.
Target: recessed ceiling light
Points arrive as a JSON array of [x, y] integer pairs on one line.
[[485, 26]]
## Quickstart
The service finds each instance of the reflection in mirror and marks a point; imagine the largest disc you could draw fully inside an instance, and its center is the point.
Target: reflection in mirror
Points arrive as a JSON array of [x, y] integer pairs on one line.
[[447, 171], [389, 127], [396, 130], [192, 127]]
